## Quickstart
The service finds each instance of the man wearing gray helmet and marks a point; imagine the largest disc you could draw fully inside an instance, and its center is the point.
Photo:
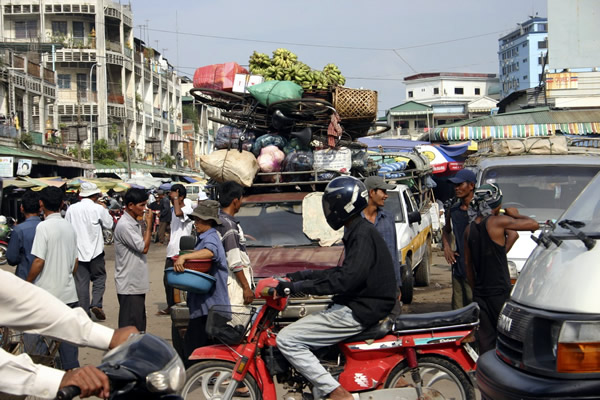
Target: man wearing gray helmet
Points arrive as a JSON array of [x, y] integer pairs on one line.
[[488, 238]]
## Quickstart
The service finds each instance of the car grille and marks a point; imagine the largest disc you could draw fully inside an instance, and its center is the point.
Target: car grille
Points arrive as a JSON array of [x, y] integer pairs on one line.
[[513, 324]]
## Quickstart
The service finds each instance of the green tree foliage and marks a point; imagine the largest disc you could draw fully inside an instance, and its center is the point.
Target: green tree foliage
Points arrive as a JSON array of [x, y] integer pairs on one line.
[[168, 160], [103, 153], [190, 113]]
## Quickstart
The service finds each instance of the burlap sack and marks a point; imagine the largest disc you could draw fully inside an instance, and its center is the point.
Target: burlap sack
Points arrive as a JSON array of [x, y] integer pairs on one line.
[[230, 165]]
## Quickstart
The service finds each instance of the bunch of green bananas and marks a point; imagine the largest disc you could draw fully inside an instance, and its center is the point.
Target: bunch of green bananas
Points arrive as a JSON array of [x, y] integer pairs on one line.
[[334, 74], [284, 58], [284, 66], [259, 62]]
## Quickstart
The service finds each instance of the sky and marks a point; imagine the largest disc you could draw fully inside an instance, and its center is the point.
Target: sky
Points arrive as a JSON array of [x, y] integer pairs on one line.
[[374, 43]]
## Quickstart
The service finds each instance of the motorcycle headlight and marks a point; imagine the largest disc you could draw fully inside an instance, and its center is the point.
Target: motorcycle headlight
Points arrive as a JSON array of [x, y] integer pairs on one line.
[[578, 349], [169, 379]]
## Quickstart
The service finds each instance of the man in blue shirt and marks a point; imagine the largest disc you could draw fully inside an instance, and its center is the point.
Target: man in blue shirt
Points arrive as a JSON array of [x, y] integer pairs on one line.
[[209, 246], [384, 222], [21, 240]]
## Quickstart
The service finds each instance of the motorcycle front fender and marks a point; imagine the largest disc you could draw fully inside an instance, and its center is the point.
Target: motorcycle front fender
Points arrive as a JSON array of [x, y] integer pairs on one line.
[[257, 367]]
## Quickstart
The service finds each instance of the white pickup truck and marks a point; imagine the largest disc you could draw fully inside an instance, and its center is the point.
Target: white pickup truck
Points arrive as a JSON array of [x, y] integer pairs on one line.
[[414, 235]]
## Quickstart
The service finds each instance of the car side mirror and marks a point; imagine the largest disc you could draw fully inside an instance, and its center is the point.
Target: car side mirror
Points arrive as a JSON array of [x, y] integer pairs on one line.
[[414, 216]]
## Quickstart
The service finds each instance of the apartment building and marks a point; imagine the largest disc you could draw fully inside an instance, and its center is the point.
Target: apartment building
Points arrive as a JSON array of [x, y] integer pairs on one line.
[[108, 81], [522, 56], [437, 98]]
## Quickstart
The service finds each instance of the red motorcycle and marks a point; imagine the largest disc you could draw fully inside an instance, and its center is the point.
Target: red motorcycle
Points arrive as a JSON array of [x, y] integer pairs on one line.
[[415, 356]]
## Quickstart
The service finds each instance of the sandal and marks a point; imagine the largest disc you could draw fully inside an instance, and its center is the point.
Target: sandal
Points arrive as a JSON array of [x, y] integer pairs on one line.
[[166, 311]]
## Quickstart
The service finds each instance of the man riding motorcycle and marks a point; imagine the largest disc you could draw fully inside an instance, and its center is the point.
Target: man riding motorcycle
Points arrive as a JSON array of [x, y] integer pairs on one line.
[[364, 288]]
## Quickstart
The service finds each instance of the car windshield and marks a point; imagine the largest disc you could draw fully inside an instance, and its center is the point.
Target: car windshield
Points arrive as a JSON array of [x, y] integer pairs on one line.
[[541, 192], [584, 213], [273, 225]]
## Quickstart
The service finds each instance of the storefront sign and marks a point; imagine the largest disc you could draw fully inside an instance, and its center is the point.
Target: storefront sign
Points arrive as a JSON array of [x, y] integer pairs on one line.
[[6, 167]]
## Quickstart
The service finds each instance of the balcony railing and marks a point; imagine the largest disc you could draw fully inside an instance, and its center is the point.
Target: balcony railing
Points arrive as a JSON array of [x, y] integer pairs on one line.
[[114, 46]]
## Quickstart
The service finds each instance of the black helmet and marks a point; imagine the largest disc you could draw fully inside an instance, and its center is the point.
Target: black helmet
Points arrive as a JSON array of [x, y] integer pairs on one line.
[[344, 198]]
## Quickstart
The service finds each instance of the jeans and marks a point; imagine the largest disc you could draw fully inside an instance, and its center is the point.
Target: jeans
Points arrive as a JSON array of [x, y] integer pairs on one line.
[[312, 332], [168, 289], [94, 271]]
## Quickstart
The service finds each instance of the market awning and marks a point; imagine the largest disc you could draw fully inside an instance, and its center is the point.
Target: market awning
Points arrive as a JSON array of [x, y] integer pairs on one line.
[[43, 182], [514, 131], [441, 161], [189, 179]]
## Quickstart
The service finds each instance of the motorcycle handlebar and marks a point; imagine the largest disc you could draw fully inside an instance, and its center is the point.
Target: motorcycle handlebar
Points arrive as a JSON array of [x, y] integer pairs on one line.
[[68, 393]]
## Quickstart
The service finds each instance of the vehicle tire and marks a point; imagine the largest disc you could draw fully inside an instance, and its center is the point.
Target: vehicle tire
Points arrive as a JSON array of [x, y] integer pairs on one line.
[[3, 249], [407, 282], [209, 379], [422, 274], [437, 373]]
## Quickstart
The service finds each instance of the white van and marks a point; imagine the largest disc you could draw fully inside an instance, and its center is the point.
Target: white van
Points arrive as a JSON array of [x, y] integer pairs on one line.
[[538, 183], [549, 330]]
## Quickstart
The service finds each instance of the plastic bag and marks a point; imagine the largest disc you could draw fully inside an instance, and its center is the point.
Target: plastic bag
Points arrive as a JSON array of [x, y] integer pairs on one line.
[[267, 140], [228, 138], [295, 145], [230, 165], [271, 91], [298, 161], [270, 160], [218, 76]]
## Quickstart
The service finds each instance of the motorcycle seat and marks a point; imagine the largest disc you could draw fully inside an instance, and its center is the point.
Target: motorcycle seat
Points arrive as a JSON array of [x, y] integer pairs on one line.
[[374, 332], [462, 316]]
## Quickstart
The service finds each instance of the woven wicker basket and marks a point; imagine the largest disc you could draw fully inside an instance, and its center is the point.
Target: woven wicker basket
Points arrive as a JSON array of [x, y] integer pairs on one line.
[[355, 103]]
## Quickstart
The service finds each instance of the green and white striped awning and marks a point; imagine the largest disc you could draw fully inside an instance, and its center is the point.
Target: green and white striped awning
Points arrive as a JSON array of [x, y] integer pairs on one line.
[[513, 131]]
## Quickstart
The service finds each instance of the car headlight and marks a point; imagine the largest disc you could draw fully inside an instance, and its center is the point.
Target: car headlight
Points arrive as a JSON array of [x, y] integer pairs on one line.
[[578, 349], [170, 379]]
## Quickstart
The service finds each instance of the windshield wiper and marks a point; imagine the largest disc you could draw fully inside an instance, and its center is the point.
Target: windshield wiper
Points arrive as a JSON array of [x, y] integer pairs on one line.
[[573, 227]]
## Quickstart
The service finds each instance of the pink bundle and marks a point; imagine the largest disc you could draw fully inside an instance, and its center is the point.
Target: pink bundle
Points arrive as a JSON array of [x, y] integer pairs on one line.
[[270, 160]]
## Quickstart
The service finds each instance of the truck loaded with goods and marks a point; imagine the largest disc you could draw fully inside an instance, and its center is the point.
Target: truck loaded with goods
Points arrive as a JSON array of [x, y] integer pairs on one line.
[[284, 140]]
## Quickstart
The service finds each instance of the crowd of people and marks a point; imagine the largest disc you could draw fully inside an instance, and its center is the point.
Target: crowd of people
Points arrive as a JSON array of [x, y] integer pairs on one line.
[[62, 256]]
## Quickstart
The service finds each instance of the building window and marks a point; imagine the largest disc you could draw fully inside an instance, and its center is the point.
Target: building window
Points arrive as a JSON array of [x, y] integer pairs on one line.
[[525, 44], [541, 60], [78, 35], [436, 90], [59, 28], [26, 29], [410, 93], [543, 44], [525, 78], [524, 60], [459, 90], [477, 91], [64, 81], [420, 125]]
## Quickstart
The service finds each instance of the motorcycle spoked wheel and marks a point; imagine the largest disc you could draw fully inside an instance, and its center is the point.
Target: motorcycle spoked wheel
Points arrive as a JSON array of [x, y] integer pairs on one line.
[[209, 379], [437, 373], [108, 235], [3, 250]]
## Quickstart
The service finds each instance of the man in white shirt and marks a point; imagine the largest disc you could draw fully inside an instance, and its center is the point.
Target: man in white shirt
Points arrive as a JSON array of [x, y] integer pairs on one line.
[[55, 250], [88, 217], [26, 307], [181, 225]]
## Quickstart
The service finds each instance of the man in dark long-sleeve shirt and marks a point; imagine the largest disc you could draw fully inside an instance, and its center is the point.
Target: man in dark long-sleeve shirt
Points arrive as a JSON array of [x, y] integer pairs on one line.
[[21, 240], [364, 288]]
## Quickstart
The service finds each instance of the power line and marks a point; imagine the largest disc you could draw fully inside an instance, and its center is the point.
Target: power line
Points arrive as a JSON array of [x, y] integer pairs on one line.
[[324, 45]]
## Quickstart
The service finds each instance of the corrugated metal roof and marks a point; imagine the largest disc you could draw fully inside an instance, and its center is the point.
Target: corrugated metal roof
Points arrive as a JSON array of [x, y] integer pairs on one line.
[[13, 151], [541, 115]]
